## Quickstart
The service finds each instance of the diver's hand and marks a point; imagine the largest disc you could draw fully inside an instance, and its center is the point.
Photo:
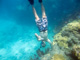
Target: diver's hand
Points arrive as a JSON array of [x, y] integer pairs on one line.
[[38, 37]]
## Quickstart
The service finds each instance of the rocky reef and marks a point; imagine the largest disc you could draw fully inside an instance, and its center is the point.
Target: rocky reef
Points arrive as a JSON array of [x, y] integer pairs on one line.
[[66, 43]]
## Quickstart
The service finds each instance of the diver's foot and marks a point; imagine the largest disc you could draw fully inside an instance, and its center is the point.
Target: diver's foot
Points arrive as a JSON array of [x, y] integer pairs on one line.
[[40, 1], [31, 2]]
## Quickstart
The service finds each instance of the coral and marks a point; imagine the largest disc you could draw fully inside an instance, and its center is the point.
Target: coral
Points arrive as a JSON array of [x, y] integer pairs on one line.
[[76, 51], [61, 40], [68, 37], [69, 33], [73, 26], [67, 42]]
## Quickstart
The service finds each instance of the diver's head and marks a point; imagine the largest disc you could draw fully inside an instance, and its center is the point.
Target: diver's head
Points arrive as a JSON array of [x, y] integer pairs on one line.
[[43, 44]]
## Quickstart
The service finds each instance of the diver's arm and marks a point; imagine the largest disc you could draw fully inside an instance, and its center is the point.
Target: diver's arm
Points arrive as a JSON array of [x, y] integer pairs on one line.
[[49, 41], [38, 37], [35, 13]]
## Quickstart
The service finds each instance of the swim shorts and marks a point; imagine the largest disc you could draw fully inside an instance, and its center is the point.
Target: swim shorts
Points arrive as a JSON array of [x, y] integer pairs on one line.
[[42, 24]]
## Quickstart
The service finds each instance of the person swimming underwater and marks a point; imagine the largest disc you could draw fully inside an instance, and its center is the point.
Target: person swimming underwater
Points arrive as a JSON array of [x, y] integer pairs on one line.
[[41, 23]]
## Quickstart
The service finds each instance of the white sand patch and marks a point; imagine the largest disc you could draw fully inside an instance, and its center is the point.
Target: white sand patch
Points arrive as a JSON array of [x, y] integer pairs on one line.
[[26, 47]]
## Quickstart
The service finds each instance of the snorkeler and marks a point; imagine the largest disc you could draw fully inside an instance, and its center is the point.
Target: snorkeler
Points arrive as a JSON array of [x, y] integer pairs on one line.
[[42, 24]]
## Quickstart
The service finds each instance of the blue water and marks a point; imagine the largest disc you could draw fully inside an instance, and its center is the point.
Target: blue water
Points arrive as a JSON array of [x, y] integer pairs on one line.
[[18, 27]]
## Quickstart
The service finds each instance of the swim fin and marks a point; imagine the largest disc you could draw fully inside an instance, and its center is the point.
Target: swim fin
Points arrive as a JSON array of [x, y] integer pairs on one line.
[[40, 1], [31, 2]]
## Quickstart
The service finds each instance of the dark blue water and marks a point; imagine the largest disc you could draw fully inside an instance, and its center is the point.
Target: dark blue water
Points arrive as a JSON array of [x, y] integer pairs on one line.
[[17, 26]]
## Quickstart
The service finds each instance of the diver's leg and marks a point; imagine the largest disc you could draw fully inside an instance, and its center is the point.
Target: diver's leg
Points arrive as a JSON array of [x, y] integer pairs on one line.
[[43, 11], [35, 13], [42, 8]]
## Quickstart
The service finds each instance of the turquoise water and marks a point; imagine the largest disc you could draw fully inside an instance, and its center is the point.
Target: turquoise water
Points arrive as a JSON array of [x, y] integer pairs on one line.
[[18, 28]]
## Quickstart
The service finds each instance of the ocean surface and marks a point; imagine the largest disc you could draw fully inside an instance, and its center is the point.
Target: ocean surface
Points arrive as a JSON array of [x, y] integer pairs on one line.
[[18, 27]]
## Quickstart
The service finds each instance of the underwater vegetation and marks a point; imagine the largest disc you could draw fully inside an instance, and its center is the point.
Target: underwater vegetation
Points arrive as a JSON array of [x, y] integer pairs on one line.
[[66, 43]]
